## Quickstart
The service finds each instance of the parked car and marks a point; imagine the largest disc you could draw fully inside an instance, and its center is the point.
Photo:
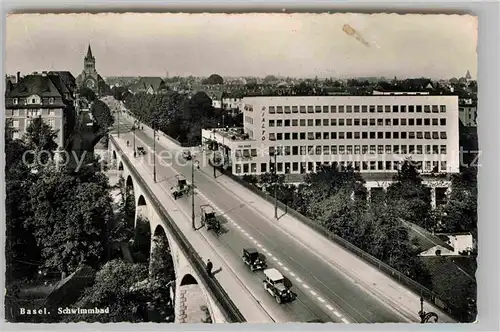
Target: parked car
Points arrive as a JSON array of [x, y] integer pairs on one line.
[[254, 259], [278, 286]]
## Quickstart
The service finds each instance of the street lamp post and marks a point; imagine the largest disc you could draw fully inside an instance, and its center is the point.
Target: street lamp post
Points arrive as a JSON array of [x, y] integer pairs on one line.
[[426, 316], [154, 151], [192, 194]]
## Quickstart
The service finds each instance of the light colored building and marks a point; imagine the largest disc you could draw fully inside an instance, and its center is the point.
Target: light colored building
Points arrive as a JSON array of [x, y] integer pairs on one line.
[[43, 95], [467, 112], [371, 133]]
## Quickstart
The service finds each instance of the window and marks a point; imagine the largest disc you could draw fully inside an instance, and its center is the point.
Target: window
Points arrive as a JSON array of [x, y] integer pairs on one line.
[[15, 101], [295, 136], [442, 135], [364, 149], [341, 109], [364, 122], [380, 149], [325, 109], [395, 109], [302, 150], [387, 122], [427, 122], [326, 135], [403, 135], [263, 167], [443, 149], [411, 149], [349, 109], [310, 122], [333, 108], [279, 123], [348, 122], [419, 122], [317, 122], [387, 108], [388, 149], [435, 149], [318, 135], [349, 149], [333, 135], [395, 122], [442, 122], [442, 108], [356, 109], [295, 109], [419, 149], [356, 135], [310, 150], [349, 134], [356, 122], [238, 168], [411, 135], [280, 167], [333, 122], [317, 109], [287, 123], [388, 135], [310, 109], [333, 149], [403, 122], [373, 165], [341, 135], [380, 165], [420, 135], [302, 122], [435, 135], [427, 109], [428, 166], [428, 149], [51, 100], [419, 108], [443, 165], [287, 110], [364, 135], [395, 134], [395, 149], [279, 136], [380, 108], [434, 122], [295, 166], [302, 135], [411, 122], [253, 168], [279, 109], [427, 135], [372, 134], [287, 136], [372, 149], [287, 150], [272, 110], [341, 122], [380, 122], [15, 123], [404, 149], [341, 149], [295, 122], [356, 149], [310, 136], [411, 109], [271, 123], [402, 108], [326, 149], [380, 135], [372, 108], [302, 109], [364, 108], [435, 109], [318, 150], [372, 122]]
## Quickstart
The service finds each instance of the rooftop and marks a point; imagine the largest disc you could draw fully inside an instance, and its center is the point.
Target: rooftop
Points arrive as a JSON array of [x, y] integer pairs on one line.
[[273, 274]]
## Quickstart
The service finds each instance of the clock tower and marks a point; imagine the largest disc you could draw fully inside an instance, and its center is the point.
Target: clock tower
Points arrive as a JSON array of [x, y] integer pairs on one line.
[[89, 78]]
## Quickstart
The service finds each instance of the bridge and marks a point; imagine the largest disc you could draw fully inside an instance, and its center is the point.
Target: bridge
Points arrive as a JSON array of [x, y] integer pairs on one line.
[[332, 284]]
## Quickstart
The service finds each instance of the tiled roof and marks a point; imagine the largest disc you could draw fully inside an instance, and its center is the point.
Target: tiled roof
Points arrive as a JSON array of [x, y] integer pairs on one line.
[[145, 82], [67, 78], [35, 84]]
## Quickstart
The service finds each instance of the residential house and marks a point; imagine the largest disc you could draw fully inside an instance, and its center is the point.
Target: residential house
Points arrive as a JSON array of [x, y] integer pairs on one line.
[[41, 95], [150, 85], [455, 244]]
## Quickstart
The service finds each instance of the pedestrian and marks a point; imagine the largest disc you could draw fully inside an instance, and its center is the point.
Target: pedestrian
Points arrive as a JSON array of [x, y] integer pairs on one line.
[[128, 143], [210, 266]]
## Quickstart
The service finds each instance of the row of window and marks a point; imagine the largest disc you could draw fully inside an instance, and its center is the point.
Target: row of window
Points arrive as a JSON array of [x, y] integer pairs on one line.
[[30, 100], [356, 122], [358, 135], [344, 149], [358, 109], [303, 167], [15, 123], [29, 112]]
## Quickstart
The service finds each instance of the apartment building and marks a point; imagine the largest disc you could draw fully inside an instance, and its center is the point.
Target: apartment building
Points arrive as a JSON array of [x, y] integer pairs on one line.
[[44, 95], [373, 133]]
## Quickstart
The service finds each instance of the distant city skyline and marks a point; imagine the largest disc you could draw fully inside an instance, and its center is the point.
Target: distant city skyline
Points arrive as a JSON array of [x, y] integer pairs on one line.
[[295, 45]]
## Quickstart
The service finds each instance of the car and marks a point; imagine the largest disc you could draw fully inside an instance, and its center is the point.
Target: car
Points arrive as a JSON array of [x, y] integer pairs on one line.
[[186, 154], [278, 286], [141, 150], [180, 187], [209, 218], [254, 259]]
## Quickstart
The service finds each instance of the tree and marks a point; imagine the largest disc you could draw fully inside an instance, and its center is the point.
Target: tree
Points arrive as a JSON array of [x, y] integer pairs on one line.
[[460, 212], [102, 116], [70, 216], [214, 79], [40, 137], [87, 94]]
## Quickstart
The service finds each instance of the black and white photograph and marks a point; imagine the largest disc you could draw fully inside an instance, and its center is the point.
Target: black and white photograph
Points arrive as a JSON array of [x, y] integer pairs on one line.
[[241, 168]]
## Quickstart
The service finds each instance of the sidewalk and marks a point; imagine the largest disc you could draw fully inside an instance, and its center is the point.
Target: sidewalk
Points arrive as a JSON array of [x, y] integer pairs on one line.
[[251, 310]]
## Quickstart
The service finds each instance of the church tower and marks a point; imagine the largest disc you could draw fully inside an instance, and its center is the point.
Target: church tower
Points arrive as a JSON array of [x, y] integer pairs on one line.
[[89, 78], [89, 62]]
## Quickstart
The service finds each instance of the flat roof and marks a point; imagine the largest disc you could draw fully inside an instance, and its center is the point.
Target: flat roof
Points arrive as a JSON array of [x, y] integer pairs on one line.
[[273, 274]]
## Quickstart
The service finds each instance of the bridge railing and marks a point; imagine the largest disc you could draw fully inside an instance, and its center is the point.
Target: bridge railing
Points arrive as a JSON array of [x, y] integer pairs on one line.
[[426, 293], [211, 284]]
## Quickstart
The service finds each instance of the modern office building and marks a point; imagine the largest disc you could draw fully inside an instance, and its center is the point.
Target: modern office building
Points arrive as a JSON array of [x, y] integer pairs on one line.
[[372, 133]]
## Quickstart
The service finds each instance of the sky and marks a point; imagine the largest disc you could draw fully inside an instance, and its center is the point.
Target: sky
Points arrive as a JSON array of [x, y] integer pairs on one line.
[[295, 45]]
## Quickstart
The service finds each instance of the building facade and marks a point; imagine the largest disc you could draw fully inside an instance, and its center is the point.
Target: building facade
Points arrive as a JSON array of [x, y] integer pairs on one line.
[[43, 95], [373, 134], [89, 77]]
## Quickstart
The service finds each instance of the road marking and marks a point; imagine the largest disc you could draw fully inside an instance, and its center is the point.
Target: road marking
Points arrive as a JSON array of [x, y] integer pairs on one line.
[[305, 286], [298, 280], [264, 249], [337, 314], [239, 227], [285, 268], [313, 293], [329, 307], [258, 244], [280, 264], [254, 241], [345, 320], [275, 259], [250, 237], [270, 255], [292, 274]]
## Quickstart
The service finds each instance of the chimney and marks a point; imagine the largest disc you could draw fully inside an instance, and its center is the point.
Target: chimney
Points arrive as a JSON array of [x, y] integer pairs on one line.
[[18, 77]]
